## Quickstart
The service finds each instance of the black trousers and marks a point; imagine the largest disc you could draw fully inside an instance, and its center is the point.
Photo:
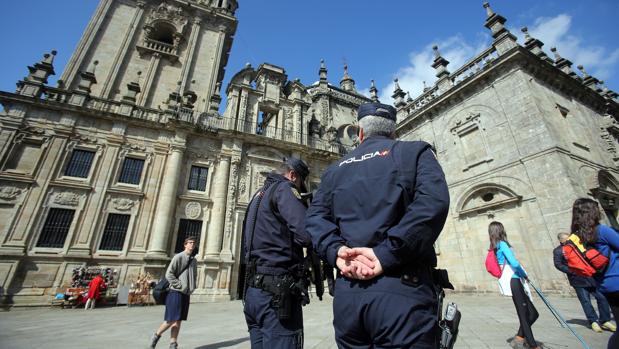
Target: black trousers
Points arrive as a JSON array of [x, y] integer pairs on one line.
[[613, 301], [527, 314]]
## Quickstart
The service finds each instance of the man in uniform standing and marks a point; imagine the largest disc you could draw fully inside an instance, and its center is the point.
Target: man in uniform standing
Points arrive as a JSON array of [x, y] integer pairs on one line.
[[375, 217], [274, 236]]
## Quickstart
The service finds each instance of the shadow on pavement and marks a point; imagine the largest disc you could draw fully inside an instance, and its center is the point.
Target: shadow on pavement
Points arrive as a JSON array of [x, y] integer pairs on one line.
[[224, 344], [580, 322]]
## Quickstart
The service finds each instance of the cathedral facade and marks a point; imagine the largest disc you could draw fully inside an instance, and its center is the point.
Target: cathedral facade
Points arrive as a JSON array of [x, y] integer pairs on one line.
[[129, 154]]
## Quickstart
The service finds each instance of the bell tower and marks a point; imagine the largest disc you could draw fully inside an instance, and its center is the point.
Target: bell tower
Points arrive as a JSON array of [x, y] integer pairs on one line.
[[157, 52]]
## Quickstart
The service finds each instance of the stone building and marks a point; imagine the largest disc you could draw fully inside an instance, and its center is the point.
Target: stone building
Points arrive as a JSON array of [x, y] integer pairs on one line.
[[520, 137], [128, 155]]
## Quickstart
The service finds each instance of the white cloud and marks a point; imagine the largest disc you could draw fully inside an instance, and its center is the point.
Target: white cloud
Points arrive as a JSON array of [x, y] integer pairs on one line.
[[555, 32], [455, 49]]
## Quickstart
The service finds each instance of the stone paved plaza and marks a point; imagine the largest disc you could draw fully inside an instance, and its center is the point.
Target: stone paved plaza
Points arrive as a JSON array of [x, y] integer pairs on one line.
[[488, 321]]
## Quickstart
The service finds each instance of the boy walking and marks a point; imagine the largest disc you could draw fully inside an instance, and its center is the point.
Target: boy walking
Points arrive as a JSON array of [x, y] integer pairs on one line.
[[181, 275]]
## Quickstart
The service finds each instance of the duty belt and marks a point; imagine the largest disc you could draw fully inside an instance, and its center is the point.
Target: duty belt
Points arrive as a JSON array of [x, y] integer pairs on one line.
[[267, 282]]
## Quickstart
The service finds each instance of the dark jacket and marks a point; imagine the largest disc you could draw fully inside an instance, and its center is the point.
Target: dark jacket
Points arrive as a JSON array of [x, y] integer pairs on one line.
[[278, 238], [561, 264], [387, 195]]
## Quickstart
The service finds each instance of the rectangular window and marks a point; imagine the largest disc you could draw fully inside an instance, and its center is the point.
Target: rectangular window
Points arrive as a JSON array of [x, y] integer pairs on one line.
[[56, 228], [131, 172], [187, 228], [115, 232], [79, 165], [197, 178]]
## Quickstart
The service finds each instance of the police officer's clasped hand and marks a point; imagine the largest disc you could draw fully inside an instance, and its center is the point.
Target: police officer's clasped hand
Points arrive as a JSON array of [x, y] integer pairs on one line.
[[358, 263]]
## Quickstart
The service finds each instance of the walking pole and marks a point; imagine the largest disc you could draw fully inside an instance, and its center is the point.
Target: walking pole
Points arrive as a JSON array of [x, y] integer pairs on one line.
[[558, 316]]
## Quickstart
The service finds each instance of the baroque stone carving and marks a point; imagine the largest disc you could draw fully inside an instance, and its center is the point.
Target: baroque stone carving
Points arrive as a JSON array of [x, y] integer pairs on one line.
[[244, 179], [193, 210], [169, 13], [232, 189], [123, 204], [66, 198], [10, 193]]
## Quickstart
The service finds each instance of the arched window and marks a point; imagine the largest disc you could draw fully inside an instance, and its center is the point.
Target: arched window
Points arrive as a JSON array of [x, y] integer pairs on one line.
[[163, 32]]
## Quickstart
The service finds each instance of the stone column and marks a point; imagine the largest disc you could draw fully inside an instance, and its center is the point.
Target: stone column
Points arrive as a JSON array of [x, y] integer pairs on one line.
[[218, 212], [166, 203]]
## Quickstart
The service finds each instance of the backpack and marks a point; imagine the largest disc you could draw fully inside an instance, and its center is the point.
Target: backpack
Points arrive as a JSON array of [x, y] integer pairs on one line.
[[160, 291], [492, 264], [583, 260]]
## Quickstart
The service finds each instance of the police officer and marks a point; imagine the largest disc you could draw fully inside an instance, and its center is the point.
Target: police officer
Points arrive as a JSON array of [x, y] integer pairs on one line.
[[274, 237], [375, 217]]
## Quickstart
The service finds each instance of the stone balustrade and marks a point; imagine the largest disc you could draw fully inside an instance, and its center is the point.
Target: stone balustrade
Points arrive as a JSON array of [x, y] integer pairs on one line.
[[206, 122], [475, 65]]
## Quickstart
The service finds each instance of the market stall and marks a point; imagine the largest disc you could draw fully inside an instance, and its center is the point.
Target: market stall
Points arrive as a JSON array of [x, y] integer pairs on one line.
[[76, 294], [140, 292]]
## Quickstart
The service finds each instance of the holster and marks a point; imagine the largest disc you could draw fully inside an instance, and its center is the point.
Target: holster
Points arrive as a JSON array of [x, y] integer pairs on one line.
[[283, 291]]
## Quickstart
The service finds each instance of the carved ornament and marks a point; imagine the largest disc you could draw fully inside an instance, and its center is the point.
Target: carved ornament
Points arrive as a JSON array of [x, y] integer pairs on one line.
[[168, 13], [123, 204], [66, 198], [193, 210], [10, 193]]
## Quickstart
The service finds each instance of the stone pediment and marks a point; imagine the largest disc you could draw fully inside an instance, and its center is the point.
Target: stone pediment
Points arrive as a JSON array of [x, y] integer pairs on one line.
[[485, 197]]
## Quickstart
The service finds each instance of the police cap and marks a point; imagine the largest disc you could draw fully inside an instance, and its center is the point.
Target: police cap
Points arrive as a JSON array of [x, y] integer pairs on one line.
[[298, 166], [377, 109]]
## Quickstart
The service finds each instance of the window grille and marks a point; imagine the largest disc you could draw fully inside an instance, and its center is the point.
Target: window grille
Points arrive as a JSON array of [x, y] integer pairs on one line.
[[131, 172], [79, 165], [56, 228], [187, 228], [115, 232], [197, 178]]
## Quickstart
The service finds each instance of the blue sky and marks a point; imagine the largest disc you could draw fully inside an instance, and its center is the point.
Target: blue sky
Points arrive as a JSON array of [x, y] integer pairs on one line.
[[378, 39]]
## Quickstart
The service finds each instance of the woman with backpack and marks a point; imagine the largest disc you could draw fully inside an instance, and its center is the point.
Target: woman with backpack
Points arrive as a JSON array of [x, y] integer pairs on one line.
[[527, 314], [586, 225]]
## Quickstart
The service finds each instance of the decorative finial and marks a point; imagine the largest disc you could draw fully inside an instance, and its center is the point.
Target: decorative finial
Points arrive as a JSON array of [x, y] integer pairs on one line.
[[247, 65], [582, 70], [425, 87], [323, 71], [409, 98], [49, 58], [373, 92], [488, 9], [436, 53], [398, 95], [525, 30], [556, 53]]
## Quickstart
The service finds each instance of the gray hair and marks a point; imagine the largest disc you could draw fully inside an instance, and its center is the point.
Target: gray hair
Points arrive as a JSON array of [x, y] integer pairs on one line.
[[377, 126], [562, 234]]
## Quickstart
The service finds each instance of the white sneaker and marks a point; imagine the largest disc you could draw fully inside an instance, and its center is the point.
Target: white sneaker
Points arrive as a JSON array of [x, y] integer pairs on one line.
[[609, 326]]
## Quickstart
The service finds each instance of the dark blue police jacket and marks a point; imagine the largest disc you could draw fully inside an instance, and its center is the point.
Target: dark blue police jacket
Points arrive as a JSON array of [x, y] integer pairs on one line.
[[387, 195], [279, 234]]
